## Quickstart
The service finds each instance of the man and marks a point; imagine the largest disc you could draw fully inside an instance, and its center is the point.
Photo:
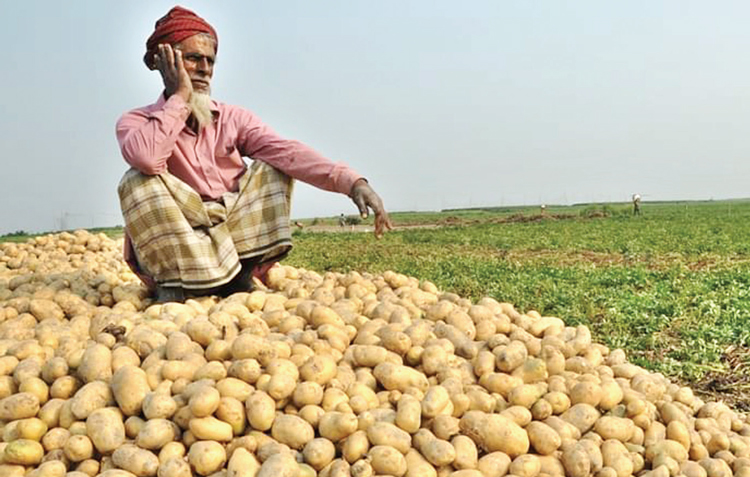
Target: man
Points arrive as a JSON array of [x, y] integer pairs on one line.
[[198, 220], [636, 204]]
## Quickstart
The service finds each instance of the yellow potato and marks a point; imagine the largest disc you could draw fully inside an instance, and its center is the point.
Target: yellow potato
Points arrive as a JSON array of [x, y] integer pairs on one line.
[[206, 457], [23, 452], [140, 462]]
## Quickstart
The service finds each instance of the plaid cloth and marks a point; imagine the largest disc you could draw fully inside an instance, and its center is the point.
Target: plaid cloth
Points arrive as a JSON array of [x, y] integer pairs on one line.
[[179, 240]]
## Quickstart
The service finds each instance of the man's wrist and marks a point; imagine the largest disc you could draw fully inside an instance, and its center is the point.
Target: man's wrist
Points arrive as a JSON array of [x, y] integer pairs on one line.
[[357, 182]]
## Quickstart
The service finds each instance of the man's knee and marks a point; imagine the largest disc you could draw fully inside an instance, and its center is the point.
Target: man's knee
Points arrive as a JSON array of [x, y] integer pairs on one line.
[[132, 180]]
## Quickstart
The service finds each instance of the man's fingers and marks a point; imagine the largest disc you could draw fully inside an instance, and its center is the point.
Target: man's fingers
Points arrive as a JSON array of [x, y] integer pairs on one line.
[[178, 62], [169, 55], [361, 205], [382, 223]]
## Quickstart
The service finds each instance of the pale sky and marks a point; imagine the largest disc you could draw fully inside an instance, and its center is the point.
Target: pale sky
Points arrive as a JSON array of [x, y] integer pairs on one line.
[[439, 103]]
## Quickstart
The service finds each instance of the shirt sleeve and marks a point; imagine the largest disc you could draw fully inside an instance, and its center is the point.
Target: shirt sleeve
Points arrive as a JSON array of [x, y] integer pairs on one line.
[[147, 136], [297, 160]]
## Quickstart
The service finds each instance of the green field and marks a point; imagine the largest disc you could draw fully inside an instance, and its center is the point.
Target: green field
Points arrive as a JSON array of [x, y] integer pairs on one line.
[[671, 287]]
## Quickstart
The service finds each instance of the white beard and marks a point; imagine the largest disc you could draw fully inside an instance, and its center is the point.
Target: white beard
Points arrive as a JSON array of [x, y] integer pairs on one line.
[[199, 104]]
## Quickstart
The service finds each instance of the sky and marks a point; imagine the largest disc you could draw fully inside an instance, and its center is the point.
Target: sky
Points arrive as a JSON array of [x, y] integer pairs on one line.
[[440, 104]]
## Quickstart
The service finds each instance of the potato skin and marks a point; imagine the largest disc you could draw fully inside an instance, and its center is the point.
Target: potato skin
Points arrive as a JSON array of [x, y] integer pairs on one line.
[[140, 462], [493, 432], [130, 387], [106, 429], [206, 457]]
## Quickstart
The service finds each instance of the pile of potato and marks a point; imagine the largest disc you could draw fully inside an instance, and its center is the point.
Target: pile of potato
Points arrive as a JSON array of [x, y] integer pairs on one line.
[[322, 375]]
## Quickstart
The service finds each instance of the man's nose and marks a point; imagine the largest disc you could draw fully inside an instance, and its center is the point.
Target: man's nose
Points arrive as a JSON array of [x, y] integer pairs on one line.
[[204, 66]]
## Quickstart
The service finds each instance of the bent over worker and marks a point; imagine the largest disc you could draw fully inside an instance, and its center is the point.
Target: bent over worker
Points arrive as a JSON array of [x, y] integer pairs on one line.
[[198, 219]]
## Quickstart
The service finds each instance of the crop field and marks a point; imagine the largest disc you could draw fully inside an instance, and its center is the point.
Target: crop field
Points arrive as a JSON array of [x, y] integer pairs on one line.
[[671, 287]]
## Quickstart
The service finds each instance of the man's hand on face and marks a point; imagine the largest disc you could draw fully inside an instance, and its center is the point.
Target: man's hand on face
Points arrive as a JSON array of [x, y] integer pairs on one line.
[[173, 72], [364, 196]]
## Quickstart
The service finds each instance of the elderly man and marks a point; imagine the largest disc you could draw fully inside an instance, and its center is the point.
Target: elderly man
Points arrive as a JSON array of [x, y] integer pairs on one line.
[[198, 220]]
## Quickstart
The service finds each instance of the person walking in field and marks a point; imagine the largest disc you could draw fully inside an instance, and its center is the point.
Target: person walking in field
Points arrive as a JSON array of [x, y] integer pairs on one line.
[[636, 204], [198, 219]]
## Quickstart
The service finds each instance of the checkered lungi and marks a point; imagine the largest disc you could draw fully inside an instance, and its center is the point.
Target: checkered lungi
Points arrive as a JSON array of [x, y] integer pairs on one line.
[[180, 240]]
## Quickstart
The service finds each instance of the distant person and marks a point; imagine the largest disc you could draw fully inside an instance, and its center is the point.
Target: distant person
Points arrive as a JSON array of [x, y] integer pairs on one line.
[[342, 220], [636, 204], [543, 209], [198, 219]]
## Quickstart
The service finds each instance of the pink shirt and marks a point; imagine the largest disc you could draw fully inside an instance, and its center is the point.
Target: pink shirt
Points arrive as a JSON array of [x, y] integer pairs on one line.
[[154, 139]]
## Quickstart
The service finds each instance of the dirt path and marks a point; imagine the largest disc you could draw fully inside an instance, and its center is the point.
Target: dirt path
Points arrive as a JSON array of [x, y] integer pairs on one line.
[[361, 228]]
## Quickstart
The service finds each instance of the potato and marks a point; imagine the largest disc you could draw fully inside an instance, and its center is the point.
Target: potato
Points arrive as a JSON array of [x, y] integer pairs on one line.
[[105, 429], [582, 416], [615, 455], [55, 439], [92, 396], [292, 431], [130, 387], [612, 427], [543, 438], [384, 433], [232, 411], [386, 460], [23, 452], [158, 405], [281, 464], [436, 399], [417, 465], [493, 432], [587, 393], [355, 446], [527, 465], [335, 426], [170, 450], [174, 467], [116, 473], [140, 462], [437, 451], [51, 468], [261, 411], [576, 462], [466, 453], [19, 406], [307, 392], [12, 470], [242, 464], [319, 369], [32, 429], [78, 448], [155, 434], [319, 452], [96, 364], [494, 464], [211, 429], [394, 376], [670, 448], [247, 370], [234, 388], [206, 457]]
